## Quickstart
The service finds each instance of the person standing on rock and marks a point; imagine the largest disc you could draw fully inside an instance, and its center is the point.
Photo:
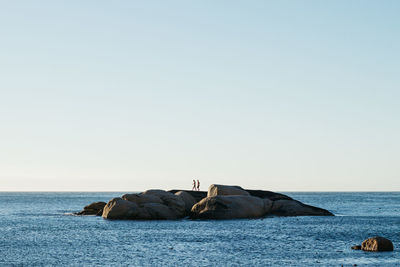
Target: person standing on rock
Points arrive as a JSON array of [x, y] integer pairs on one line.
[[194, 185], [198, 185]]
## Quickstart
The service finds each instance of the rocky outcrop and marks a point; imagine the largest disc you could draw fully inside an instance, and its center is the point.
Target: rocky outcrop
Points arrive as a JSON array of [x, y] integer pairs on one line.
[[376, 244], [296, 208], [222, 202], [225, 190], [230, 207], [95, 208]]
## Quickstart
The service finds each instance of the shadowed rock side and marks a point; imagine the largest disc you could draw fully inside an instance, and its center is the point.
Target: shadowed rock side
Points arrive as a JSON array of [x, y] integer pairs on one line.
[[95, 208], [231, 207], [296, 208], [220, 202], [187, 199], [173, 202]]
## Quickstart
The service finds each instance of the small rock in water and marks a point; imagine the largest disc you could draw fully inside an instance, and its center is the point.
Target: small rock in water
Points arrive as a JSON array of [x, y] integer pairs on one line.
[[358, 247], [376, 244]]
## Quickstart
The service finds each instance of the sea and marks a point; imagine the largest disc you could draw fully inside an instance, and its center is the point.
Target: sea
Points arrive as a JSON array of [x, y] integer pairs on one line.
[[39, 229]]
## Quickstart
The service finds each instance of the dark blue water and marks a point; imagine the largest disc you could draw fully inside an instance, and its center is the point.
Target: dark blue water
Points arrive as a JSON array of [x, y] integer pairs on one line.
[[35, 230]]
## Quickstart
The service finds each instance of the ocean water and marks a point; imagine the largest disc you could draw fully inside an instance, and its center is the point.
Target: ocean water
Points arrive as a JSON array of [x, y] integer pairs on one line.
[[36, 229]]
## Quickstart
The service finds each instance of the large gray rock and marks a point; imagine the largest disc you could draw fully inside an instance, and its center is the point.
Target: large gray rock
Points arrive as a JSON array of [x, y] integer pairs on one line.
[[225, 190], [95, 208], [187, 199], [175, 203], [118, 208], [230, 207], [376, 244], [296, 208]]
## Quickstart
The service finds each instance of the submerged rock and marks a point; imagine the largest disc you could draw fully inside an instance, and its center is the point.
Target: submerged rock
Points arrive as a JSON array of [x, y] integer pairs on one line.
[[376, 244]]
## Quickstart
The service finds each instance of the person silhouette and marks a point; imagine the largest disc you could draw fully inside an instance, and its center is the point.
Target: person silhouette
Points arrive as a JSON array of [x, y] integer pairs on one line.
[[198, 185], [194, 186]]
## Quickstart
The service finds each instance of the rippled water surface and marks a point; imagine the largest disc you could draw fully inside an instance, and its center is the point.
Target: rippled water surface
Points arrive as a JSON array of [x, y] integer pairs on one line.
[[35, 229]]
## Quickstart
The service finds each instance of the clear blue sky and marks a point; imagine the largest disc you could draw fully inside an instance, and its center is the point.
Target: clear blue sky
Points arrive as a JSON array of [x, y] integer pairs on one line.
[[129, 95]]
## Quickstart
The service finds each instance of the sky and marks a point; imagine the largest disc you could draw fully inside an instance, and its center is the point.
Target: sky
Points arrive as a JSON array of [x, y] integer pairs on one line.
[[133, 95]]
